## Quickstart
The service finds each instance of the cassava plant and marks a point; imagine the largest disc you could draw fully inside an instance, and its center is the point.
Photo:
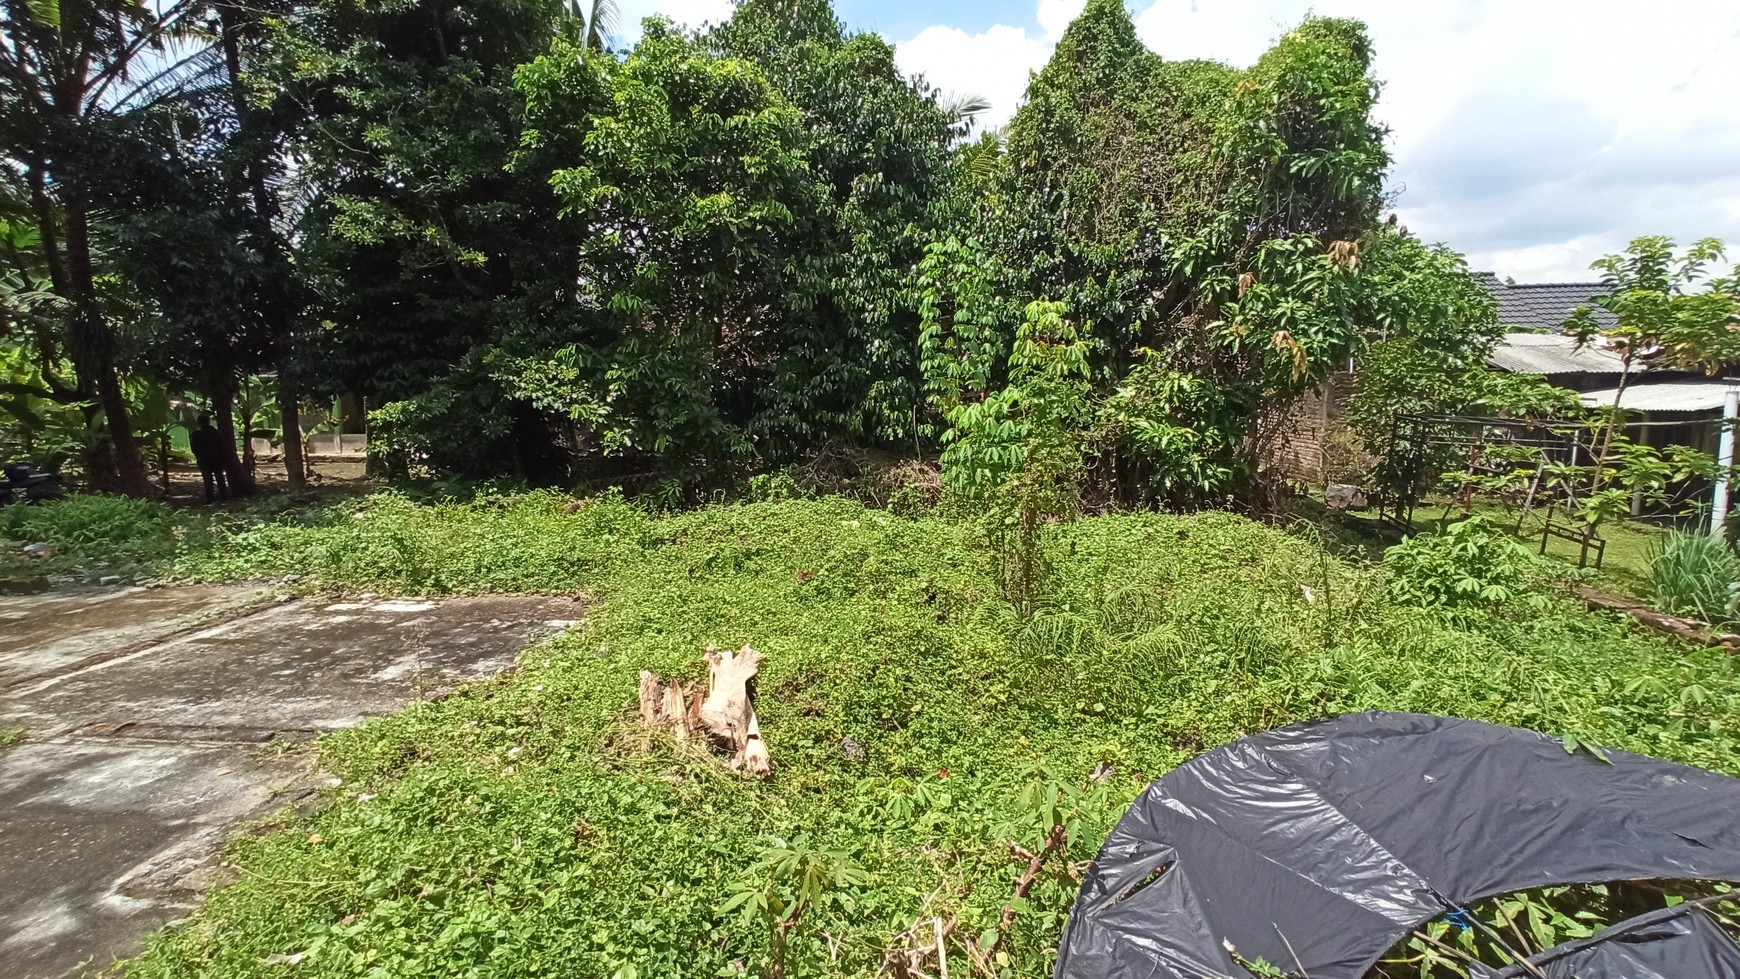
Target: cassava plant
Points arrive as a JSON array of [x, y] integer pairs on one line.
[[1470, 564], [1668, 310], [1018, 453]]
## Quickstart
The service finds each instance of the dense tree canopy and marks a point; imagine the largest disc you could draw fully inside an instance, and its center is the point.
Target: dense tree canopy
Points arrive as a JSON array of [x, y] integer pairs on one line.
[[1217, 230], [714, 252]]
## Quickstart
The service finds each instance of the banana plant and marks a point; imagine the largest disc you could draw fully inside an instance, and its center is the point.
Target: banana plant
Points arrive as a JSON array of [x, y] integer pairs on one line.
[[156, 416]]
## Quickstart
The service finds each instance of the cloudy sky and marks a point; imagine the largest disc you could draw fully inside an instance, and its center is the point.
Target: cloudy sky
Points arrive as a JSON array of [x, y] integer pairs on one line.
[[1532, 135]]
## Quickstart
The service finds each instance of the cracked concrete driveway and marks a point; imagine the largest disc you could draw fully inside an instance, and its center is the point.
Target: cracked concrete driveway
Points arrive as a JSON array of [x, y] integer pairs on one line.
[[143, 712]]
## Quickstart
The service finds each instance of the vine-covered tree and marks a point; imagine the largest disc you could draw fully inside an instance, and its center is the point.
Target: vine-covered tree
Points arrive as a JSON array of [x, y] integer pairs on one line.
[[1214, 231]]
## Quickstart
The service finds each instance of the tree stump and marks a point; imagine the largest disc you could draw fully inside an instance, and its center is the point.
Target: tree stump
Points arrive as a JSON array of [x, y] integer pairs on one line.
[[726, 714], [664, 705]]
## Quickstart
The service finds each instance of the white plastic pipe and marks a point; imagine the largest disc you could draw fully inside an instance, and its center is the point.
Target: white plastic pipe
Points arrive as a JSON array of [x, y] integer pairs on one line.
[[1724, 462]]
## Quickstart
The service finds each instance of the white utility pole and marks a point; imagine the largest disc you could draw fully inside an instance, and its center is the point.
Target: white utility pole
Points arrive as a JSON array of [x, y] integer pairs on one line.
[[1724, 462]]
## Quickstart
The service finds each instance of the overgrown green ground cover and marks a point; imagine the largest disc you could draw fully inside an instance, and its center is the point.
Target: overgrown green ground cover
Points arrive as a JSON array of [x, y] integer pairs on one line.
[[95, 534], [526, 827]]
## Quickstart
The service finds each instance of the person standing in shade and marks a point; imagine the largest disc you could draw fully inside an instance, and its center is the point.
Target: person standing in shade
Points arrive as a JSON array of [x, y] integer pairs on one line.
[[207, 444]]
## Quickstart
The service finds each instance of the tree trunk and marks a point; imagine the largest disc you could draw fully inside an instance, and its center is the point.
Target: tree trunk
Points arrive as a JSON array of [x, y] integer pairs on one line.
[[223, 417], [726, 714], [129, 462], [729, 710], [99, 457], [233, 19], [290, 413], [94, 358]]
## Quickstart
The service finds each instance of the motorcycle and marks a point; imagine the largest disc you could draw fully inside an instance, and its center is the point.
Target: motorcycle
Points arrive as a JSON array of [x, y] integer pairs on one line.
[[23, 486]]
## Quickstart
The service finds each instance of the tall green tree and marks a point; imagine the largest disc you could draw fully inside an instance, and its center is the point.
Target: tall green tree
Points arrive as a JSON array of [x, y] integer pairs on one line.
[[688, 201], [211, 292], [418, 240], [71, 66], [253, 166], [720, 278], [878, 145]]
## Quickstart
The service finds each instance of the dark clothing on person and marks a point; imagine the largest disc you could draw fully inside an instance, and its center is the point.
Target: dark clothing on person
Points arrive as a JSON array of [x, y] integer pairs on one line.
[[207, 444]]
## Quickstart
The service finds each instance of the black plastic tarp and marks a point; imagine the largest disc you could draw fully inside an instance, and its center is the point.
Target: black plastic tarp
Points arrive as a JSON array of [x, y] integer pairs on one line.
[[1318, 846], [1671, 944]]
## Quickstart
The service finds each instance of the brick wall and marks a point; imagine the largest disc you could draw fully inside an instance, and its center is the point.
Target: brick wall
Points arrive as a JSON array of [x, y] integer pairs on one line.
[[1299, 449]]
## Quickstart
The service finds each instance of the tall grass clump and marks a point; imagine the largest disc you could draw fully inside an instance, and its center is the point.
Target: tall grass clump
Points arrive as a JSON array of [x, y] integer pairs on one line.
[[1695, 574]]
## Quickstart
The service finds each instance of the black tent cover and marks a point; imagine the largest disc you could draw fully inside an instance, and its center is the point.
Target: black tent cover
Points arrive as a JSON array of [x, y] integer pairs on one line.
[[1318, 846], [1671, 944]]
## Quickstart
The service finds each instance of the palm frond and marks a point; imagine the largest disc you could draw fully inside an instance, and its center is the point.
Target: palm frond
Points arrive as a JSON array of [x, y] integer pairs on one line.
[[134, 31], [962, 107], [961, 112], [601, 25], [197, 71], [981, 166], [44, 12]]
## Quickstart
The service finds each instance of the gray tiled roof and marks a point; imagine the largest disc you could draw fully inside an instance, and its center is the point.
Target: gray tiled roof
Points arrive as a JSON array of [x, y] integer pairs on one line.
[[1543, 305]]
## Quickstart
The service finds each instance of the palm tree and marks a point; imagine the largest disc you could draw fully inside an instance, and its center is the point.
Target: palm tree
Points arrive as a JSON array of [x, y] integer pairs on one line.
[[69, 65], [594, 28], [962, 111]]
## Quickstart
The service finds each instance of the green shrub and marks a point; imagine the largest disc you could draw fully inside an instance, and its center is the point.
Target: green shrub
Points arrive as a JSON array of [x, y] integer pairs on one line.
[[1469, 564], [1694, 574], [533, 542]]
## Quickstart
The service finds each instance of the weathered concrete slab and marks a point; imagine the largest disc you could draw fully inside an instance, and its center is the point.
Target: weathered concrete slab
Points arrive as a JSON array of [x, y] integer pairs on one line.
[[296, 667], [43, 633], [142, 754], [106, 841]]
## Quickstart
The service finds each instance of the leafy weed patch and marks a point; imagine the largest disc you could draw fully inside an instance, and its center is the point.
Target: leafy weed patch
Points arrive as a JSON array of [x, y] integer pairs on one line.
[[924, 735]]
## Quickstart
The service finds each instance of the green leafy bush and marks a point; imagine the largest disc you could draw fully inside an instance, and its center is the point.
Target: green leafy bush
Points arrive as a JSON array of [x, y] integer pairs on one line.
[[1694, 574], [1470, 564]]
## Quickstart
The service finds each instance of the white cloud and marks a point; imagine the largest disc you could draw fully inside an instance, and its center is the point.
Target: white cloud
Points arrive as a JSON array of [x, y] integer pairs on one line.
[[1055, 15], [690, 13], [1233, 31], [993, 64], [1543, 263]]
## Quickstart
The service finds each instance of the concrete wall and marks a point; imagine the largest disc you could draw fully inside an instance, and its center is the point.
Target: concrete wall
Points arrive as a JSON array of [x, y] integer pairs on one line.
[[331, 444], [334, 444]]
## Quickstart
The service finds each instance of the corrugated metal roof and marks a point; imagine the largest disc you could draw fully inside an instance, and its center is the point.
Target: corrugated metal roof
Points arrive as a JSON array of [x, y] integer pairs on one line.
[[1544, 305], [1551, 353], [1681, 396]]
